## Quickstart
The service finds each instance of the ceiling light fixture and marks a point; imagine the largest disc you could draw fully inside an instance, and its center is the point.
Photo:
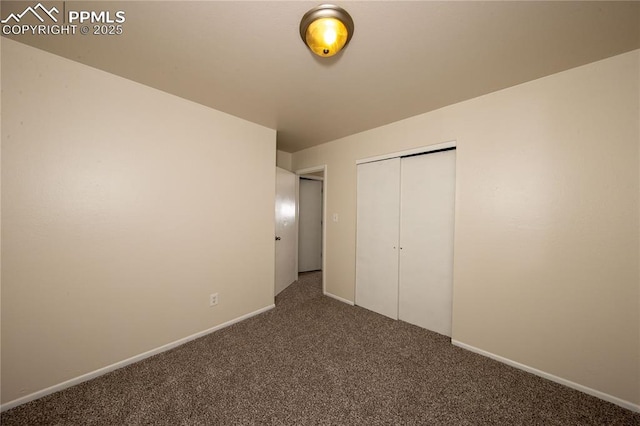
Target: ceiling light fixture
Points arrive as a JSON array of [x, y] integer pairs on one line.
[[326, 29]]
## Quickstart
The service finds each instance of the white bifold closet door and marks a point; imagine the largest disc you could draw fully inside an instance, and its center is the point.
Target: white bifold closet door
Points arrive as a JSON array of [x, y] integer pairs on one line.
[[404, 246], [378, 216], [427, 199]]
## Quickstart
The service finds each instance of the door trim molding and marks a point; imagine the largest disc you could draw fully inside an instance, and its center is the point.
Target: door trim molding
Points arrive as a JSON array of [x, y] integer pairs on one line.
[[325, 189]]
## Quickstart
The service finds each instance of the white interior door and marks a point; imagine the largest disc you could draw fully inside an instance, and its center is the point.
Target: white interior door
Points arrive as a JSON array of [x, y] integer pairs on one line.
[[286, 231], [309, 225], [378, 216], [426, 240]]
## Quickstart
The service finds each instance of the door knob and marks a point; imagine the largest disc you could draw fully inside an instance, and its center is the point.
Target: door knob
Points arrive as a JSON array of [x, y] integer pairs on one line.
[[278, 238]]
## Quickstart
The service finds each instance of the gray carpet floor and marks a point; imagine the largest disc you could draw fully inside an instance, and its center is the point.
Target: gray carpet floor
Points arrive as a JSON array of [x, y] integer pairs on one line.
[[312, 361]]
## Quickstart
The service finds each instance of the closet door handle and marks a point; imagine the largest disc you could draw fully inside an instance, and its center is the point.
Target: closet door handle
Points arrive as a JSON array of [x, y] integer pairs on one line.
[[278, 238]]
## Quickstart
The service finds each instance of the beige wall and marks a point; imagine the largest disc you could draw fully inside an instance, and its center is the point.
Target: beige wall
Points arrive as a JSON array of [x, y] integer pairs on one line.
[[546, 247], [283, 160], [123, 209]]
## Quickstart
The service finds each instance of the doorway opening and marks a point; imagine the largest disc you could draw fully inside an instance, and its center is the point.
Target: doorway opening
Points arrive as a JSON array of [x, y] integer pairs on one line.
[[312, 202]]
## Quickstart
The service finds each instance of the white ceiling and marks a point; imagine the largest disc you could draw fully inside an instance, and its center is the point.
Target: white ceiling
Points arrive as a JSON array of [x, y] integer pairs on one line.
[[405, 58]]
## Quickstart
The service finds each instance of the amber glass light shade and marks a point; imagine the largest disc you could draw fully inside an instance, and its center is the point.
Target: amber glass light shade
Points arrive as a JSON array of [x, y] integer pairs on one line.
[[326, 36], [326, 29]]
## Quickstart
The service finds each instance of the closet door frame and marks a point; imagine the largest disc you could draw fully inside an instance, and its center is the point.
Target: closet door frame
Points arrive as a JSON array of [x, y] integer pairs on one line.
[[408, 152]]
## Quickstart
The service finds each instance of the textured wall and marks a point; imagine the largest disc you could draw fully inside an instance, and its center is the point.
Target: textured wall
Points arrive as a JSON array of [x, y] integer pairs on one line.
[[123, 209], [546, 243]]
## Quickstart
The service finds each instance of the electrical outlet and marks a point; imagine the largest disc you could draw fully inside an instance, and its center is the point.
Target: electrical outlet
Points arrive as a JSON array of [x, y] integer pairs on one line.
[[213, 299]]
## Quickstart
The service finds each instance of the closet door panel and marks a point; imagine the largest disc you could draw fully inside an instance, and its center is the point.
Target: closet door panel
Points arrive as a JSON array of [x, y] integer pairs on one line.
[[378, 216], [426, 240]]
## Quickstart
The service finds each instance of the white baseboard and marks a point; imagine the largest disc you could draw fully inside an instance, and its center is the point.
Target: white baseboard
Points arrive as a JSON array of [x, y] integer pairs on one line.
[[589, 391], [333, 296], [124, 363]]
